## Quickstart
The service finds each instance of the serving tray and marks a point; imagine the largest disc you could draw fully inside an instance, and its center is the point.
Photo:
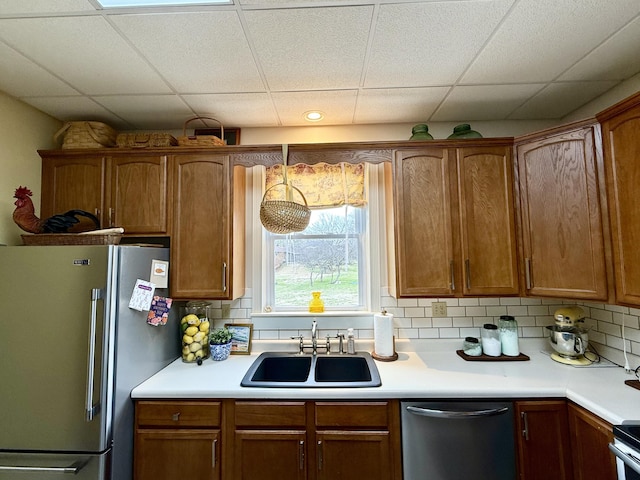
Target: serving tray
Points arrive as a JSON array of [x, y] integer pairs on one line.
[[633, 383], [488, 358]]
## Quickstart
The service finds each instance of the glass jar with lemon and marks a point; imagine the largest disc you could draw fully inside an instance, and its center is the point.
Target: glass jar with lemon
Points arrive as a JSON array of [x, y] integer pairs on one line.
[[194, 332]]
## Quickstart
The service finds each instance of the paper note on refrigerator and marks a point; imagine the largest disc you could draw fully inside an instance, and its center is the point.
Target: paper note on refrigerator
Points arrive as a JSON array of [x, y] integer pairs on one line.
[[142, 295]]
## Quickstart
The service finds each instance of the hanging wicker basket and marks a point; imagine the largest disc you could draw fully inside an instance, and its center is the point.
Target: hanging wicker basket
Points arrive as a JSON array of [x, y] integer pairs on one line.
[[284, 216]]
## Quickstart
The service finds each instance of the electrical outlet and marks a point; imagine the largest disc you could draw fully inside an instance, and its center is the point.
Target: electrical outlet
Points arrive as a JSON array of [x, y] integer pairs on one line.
[[226, 310], [439, 309]]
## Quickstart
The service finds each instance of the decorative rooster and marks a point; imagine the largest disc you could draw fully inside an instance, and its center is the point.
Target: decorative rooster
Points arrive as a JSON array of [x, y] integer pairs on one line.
[[25, 218]]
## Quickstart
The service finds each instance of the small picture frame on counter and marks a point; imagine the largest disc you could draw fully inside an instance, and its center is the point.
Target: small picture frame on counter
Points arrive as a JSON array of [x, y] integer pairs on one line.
[[241, 334]]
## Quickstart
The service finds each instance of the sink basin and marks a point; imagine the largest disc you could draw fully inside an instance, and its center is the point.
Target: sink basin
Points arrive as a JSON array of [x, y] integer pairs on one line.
[[283, 369]]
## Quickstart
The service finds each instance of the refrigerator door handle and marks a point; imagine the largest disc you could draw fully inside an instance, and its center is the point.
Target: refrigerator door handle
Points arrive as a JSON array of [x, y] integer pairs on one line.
[[90, 408], [72, 469]]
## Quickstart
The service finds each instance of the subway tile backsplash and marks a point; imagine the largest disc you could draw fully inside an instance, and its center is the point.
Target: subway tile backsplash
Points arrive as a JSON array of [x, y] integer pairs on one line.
[[413, 319]]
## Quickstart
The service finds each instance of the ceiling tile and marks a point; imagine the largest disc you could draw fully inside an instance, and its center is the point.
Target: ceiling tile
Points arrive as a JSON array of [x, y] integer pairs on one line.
[[559, 99], [21, 77], [616, 59], [84, 51], [483, 102], [306, 49], [17, 7], [399, 105], [204, 52], [236, 109], [539, 39], [421, 44], [76, 109], [148, 111], [338, 106]]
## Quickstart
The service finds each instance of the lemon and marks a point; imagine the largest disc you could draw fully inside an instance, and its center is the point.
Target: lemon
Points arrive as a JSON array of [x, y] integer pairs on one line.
[[187, 339], [191, 319], [191, 331], [204, 326], [199, 354], [195, 346], [198, 337], [191, 357], [185, 350]]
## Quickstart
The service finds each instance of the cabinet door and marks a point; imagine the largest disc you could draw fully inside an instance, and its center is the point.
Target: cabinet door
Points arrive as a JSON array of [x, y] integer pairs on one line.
[[345, 455], [73, 182], [543, 440], [138, 200], [424, 241], [487, 221], [590, 437], [563, 239], [270, 455], [172, 454], [200, 235], [622, 151]]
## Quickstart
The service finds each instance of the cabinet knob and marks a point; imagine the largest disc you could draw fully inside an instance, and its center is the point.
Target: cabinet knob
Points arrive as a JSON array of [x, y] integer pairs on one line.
[[175, 417]]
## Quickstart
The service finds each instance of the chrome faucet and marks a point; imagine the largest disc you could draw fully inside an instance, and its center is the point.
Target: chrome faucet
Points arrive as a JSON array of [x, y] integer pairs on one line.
[[314, 336]]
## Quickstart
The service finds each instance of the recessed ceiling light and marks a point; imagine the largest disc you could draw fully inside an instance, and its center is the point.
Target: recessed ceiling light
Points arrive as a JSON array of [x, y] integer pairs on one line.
[[313, 116], [159, 3]]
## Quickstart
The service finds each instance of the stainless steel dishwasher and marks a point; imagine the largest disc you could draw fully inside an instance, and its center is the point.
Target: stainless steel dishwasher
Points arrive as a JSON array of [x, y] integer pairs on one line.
[[444, 440]]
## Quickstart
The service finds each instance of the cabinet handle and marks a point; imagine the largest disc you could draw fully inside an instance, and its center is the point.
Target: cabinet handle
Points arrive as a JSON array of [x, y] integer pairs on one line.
[[525, 424], [224, 276], [527, 272], [467, 272], [301, 454], [111, 216], [214, 444], [175, 417], [451, 273], [96, 212], [319, 455]]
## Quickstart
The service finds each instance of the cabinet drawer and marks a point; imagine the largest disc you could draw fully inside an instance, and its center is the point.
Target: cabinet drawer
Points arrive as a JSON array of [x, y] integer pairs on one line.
[[352, 414], [178, 414], [270, 414]]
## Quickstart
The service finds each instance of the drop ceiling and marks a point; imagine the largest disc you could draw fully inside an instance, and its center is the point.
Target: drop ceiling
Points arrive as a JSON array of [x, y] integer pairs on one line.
[[263, 63]]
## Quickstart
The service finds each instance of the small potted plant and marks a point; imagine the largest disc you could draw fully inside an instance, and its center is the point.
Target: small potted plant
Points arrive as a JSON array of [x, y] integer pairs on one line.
[[220, 344]]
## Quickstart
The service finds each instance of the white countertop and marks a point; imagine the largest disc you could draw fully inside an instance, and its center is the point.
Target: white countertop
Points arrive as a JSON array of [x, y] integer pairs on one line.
[[436, 371]]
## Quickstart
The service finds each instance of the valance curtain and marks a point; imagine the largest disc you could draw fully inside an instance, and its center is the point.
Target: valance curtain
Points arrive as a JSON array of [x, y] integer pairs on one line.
[[323, 185]]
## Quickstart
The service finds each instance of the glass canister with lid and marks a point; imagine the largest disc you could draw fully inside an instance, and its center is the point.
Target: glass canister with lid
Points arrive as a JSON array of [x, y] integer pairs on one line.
[[490, 340], [508, 328], [194, 332]]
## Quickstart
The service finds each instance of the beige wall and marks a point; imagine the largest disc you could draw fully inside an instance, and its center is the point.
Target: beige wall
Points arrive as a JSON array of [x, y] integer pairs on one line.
[[23, 130]]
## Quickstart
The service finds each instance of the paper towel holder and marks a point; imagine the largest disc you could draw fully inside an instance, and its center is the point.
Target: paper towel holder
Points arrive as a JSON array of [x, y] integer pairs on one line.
[[386, 358]]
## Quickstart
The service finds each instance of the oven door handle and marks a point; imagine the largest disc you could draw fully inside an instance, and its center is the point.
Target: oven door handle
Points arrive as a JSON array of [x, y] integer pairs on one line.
[[628, 460]]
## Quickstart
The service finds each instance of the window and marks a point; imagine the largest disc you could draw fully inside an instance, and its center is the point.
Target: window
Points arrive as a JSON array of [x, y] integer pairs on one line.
[[328, 257], [358, 237]]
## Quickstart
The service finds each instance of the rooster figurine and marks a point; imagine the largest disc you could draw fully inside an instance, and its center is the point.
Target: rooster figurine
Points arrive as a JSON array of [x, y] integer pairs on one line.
[[25, 218]]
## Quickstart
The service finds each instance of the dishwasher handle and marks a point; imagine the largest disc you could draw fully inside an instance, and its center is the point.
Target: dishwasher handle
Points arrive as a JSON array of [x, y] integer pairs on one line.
[[437, 413]]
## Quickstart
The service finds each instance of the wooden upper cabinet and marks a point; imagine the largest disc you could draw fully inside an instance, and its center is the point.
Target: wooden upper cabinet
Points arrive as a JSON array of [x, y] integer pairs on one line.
[[621, 141], [455, 224], [207, 206], [138, 199], [424, 237], [487, 221], [561, 208], [122, 189], [73, 182]]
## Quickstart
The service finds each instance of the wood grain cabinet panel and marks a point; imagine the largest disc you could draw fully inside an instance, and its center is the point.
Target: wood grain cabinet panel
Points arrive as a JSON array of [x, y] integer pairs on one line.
[[621, 140], [561, 196]]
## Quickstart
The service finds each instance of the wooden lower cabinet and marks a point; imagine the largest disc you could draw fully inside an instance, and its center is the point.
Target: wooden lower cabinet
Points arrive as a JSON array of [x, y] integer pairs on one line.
[[270, 455], [544, 449], [178, 439], [590, 437], [344, 455]]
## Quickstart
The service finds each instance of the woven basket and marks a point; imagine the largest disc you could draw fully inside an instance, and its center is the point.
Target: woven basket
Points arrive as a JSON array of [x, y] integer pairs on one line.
[[87, 135], [145, 140], [284, 216], [202, 140], [40, 239]]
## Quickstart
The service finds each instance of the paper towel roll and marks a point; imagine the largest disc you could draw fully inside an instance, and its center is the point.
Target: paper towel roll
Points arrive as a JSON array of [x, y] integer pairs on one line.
[[383, 335]]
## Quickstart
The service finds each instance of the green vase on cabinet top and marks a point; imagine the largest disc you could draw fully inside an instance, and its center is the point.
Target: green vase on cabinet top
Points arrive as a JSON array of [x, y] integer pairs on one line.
[[420, 132], [464, 131]]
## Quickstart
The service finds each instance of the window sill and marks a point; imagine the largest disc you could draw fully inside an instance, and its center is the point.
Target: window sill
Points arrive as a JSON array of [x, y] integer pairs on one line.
[[327, 313]]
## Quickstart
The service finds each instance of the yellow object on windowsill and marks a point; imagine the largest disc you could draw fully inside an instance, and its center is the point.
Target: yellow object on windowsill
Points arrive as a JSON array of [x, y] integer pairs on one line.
[[316, 305]]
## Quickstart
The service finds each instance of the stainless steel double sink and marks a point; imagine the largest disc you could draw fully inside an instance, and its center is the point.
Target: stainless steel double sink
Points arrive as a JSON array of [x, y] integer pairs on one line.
[[295, 370]]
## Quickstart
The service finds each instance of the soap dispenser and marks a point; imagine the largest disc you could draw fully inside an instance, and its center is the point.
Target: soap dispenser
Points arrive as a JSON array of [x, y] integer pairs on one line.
[[351, 343]]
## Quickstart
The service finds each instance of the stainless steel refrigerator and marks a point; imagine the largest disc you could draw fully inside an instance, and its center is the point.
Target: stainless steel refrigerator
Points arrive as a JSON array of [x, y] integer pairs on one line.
[[71, 351]]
